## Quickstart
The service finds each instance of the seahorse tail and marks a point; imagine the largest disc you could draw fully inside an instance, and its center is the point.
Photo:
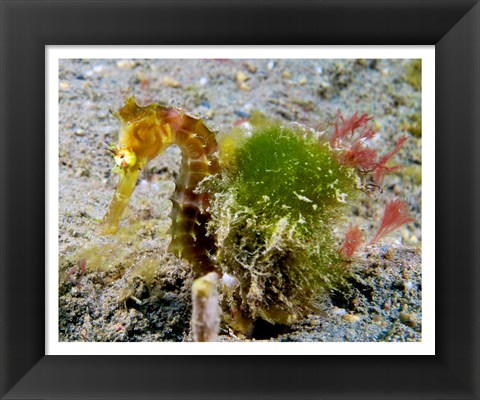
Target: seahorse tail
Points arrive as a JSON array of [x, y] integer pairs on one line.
[[190, 240]]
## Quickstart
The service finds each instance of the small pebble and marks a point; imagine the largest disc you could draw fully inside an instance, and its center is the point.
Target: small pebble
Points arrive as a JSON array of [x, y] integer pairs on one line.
[[351, 318], [362, 62], [388, 304], [241, 77], [339, 311], [64, 85], [413, 239], [230, 280], [203, 81], [79, 172], [98, 68], [251, 68], [171, 82], [126, 64], [377, 319], [141, 76], [408, 319], [248, 107], [397, 190], [389, 254]]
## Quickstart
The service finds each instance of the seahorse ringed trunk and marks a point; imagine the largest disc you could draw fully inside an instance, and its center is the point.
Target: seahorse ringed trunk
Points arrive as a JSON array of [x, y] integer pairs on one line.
[[190, 209]]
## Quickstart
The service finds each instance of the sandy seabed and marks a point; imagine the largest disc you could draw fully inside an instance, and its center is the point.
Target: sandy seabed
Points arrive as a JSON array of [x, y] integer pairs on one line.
[[127, 288]]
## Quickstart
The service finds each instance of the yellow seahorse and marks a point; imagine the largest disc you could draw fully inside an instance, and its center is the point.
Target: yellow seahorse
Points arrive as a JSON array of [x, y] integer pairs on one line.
[[147, 131]]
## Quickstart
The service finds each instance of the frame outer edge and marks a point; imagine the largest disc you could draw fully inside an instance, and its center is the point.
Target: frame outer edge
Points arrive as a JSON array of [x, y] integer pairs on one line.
[[457, 116], [18, 369]]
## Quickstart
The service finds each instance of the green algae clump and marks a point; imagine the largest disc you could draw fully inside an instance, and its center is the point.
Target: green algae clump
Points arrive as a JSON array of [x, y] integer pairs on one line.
[[274, 212], [413, 74]]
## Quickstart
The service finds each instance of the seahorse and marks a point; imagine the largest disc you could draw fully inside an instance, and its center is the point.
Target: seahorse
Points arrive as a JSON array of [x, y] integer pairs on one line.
[[146, 132]]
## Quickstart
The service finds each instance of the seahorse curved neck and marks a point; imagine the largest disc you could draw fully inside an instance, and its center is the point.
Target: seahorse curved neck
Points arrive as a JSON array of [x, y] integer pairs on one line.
[[145, 133]]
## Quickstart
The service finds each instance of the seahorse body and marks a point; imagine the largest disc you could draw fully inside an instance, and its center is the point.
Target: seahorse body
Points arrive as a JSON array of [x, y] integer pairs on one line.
[[147, 131]]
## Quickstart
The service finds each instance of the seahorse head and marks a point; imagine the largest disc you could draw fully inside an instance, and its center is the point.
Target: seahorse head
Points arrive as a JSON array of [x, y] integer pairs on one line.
[[142, 136]]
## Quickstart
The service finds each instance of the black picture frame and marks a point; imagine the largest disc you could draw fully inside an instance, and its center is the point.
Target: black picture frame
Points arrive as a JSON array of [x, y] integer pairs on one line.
[[453, 26]]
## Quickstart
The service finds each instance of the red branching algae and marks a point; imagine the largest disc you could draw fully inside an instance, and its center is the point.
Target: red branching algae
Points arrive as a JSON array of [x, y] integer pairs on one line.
[[353, 240], [347, 129], [381, 168], [395, 215], [350, 137]]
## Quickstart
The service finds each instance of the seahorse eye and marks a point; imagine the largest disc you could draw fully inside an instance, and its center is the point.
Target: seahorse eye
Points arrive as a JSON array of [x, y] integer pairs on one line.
[[125, 158]]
